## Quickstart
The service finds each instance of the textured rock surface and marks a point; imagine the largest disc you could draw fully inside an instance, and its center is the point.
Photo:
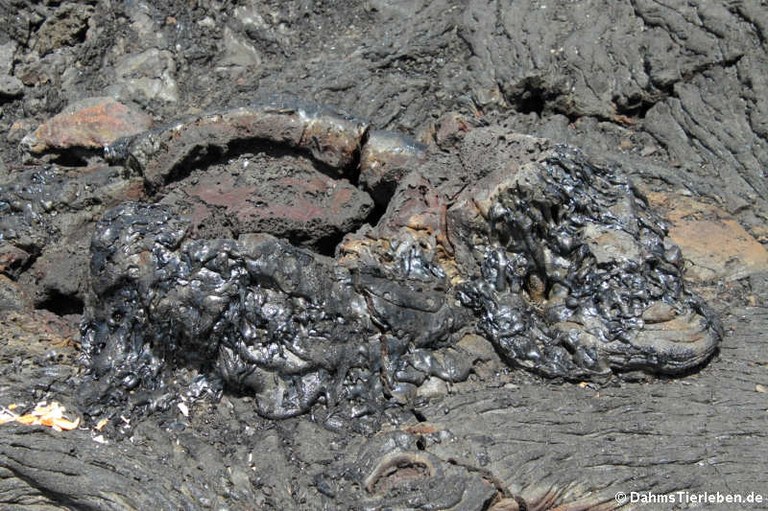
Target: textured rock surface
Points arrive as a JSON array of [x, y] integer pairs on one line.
[[673, 92], [697, 227], [287, 197], [10, 86], [47, 220], [593, 266], [87, 125], [566, 270]]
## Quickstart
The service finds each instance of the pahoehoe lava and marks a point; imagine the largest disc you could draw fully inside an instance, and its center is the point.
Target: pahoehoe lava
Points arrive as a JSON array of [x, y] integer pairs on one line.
[[558, 261]]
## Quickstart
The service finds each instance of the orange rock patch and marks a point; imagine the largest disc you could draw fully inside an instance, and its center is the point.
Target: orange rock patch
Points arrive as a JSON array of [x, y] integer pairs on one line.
[[713, 243]]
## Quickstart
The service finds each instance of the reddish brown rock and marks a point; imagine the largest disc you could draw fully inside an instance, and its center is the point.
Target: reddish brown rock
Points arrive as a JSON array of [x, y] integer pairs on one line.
[[89, 124], [285, 197]]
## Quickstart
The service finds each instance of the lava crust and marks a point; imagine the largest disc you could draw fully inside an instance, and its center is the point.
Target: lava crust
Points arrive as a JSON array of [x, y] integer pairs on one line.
[[559, 262]]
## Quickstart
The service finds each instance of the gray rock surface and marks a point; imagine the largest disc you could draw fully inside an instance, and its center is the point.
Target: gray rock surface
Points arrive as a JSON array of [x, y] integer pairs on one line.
[[146, 77], [7, 53], [673, 93], [10, 86]]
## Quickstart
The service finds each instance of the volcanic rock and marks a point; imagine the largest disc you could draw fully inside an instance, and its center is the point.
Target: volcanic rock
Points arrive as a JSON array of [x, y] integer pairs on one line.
[[88, 125], [66, 27], [556, 260], [145, 77], [385, 160], [7, 52], [11, 295], [673, 94], [394, 471], [288, 198], [696, 227], [10, 86], [167, 152], [47, 220]]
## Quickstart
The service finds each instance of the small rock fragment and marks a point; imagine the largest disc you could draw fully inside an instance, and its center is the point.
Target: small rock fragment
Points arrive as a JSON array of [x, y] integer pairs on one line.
[[237, 52], [507, 504], [88, 124], [12, 258], [10, 86], [146, 76], [11, 295], [385, 159], [7, 52], [451, 127], [66, 27]]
